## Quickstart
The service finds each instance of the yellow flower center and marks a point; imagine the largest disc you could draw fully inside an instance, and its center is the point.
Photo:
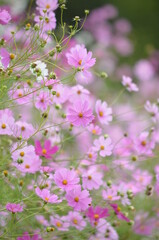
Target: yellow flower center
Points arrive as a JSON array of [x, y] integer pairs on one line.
[[95, 223], [46, 20], [22, 128], [47, 6], [22, 154], [64, 182], [27, 166], [143, 143], [46, 199], [12, 56], [75, 221], [80, 115], [78, 92], [101, 114], [80, 62], [110, 197], [118, 209], [76, 199], [89, 177], [20, 94], [44, 151], [58, 224], [3, 126], [94, 131], [90, 155], [57, 94], [96, 216], [102, 147]]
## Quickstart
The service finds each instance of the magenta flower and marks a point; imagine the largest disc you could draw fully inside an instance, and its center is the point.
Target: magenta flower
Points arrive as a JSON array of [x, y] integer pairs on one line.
[[66, 179], [5, 17], [80, 114], [118, 212], [104, 113], [49, 5], [130, 86], [79, 58], [6, 57], [104, 146], [47, 196], [78, 199], [94, 214], [14, 208], [47, 151], [26, 236]]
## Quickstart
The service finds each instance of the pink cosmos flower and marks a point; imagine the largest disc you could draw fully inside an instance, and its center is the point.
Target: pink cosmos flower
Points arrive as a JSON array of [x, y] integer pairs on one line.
[[42, 101], [78, 199], [47, 151], [47, 196], [26, 152], [144, 70], [104, 113], [80, 114], [104, 146], [94, 129], [78, 92], [94, 214], [5, 57], [79, 58], [20, 95], [12, 207], [61, 95], [66, 179], [5, 17], [153, 110], [91, 155], [76, 220], [24, 129], [6, 124], [105, 229], [92, 179], [144, 145], [60, 223], [130, 86], [118, 212], [48, 23], [26, 236], [110, 194], [49, 5], [42, 220]]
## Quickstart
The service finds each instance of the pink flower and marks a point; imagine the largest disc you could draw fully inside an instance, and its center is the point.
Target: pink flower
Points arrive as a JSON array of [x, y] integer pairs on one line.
[[110, 194], [66, 179], [5, 57], [79, 58], [60, 223], [49, 5], [12, 207], [47, 151], [94, 129], [78, 92], [130, 86], [78, 199], [47, 196], [104, 113], [118, 212], [5, 17], [61, 95], [76, 220], [48, 23], [144, 145], [6, 124], [42, 101], [153, 110], [104, 146], [24, 129], [30, 165], [94, 214], [26, 236], [80, 114], [92, 179]]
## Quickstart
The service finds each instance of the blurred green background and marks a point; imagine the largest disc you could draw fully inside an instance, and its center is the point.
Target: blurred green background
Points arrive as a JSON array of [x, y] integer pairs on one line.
[[142, 14]]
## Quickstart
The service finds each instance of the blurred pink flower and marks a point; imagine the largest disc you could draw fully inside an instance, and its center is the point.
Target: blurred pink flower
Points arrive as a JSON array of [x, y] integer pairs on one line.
[[130, 86], [104, 113], [47, 196], [5, 17], [47, 151], [13, 207], [104, 146], [49, 5]]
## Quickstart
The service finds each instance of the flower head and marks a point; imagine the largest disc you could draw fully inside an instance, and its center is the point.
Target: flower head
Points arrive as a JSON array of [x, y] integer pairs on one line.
[[13, 207], [47, 151], [104, 113], [47, 196], [5, 17], [104, 146], [130, 86]]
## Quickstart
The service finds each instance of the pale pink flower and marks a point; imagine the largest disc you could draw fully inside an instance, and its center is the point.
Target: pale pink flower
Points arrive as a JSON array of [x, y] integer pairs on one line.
[[78, 92], [48, 23], [153, 110], [26, 236], [78, 199], [5, 57], [104, 113], [92, 179], [47, 196], [24, 129], [13, 207], [61, 95], [60, 223], [80, 114], [66, 179], [49, 5], [128, 83], [104, 146], [105, 228], [5, 17], [144, 145], [110, 194], [42, 101], [79, 58], [76, 220], [30, 165], [144, 70], [94, 129], [6, 124]]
